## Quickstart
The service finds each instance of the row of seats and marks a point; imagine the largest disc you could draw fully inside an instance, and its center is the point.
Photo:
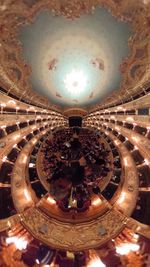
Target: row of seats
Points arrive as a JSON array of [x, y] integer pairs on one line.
[[7, 208], [141, 210]]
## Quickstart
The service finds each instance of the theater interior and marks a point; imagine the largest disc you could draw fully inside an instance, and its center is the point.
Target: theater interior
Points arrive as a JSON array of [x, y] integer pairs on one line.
[[75, 133]]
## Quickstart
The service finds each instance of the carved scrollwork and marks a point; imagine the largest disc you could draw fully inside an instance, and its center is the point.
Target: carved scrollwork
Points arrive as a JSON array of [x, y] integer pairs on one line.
[[74, 237]]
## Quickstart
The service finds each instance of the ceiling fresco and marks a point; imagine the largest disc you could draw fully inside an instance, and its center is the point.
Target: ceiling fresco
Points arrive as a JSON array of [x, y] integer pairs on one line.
[[92, 54], [75, 62]]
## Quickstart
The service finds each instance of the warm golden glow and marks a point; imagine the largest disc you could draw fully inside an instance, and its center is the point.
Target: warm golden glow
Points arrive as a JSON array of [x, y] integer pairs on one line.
[[96, 263], [126, 248], [126, 161], [147, 162], [51, 200], [4, 159], [24, 160], [121, 197], [20, 243], [96, 202], [12, 102], [27, 194], [75, 82]]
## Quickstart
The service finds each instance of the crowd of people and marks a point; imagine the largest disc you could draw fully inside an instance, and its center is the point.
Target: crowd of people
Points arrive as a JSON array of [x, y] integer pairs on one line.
[[75, 161]]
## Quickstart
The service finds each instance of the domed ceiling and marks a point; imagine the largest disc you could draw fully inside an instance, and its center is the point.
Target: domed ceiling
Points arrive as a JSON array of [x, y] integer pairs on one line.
[[91, 54], [75, 62]]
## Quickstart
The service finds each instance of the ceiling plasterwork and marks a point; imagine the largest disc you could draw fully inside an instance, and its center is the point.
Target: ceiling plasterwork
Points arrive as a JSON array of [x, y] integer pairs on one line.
[[75, 63], [14, 71]]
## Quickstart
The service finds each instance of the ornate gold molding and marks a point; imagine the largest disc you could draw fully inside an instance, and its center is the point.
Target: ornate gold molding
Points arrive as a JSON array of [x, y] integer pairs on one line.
[[14, 72], [10, 222], [138, 227], [72, 236], [69, 112]]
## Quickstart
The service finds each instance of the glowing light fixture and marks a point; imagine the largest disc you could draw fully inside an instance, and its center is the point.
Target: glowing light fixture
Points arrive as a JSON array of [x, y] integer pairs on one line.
[[20, 243], [4, 159], [130, 119], [75, 82], [12, 102], [51, 200], [16, 137], [27, 194], [96, 263], [94, 260], [126, 161], [135, 236], [121, 198], [146, 161], [96, 202], [31, 165], [24, 159], [3, 127], [126, 248], [3, 105]]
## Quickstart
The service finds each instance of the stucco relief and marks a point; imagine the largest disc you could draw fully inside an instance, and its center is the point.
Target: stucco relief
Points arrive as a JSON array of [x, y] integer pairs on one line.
[[73, 237]]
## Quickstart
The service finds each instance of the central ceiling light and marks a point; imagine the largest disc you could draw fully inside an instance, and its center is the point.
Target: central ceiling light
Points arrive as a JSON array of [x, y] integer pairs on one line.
[[75, 82]]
